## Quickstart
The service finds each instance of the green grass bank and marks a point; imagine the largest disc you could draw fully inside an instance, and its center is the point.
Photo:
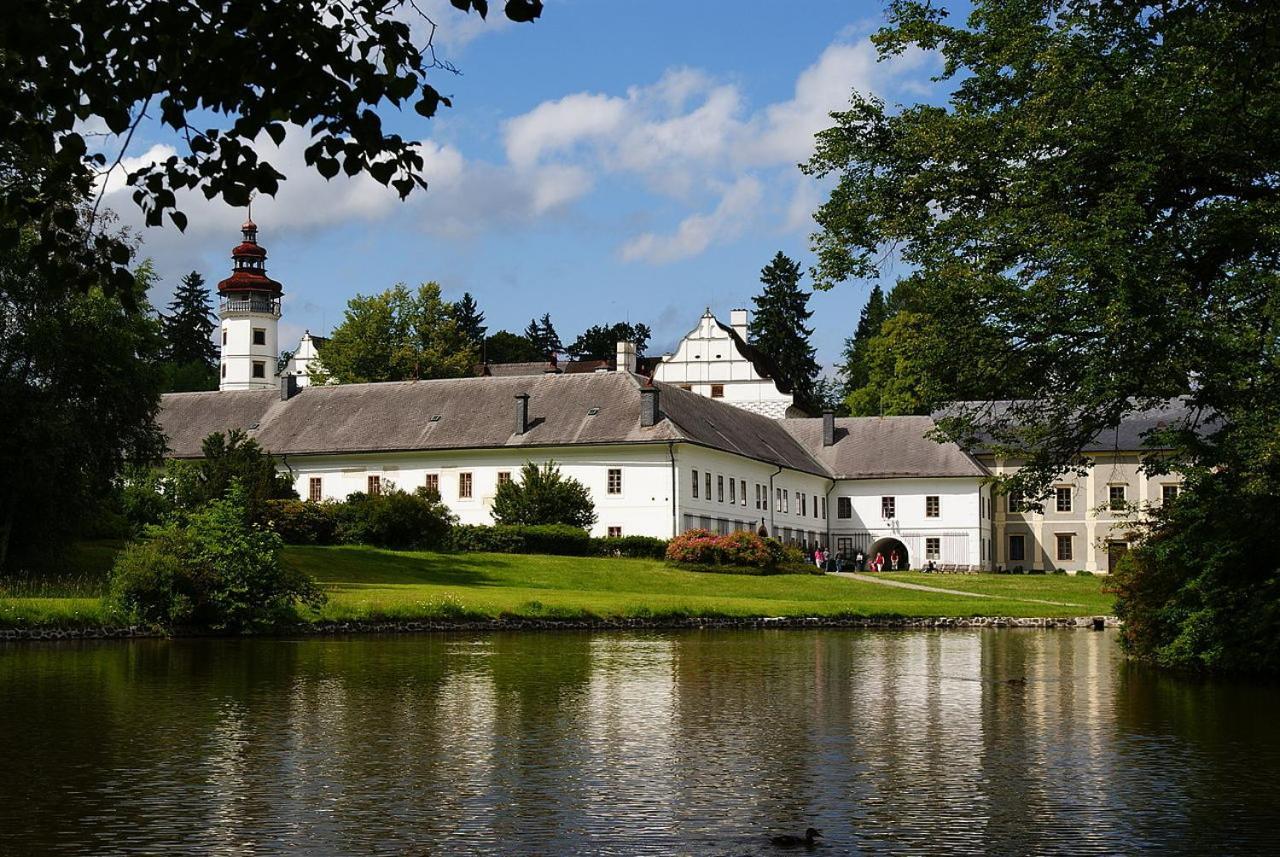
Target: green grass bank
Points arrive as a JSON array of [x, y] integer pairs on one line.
[[369, 584]]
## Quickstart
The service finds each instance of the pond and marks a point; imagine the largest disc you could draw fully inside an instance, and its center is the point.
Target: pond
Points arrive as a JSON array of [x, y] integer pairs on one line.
[[1004, 741]]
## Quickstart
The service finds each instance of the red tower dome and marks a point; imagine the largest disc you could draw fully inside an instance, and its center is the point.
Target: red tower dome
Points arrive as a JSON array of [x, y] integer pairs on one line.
[[249, 274]]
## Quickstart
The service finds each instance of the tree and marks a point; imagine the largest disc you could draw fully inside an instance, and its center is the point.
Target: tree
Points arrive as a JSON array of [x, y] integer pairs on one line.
[[397, 335], [507, 347], [1090, 218], [80, 385], [229, 459], [469, 319], [65, 62], [543, 495], [898, 370], [855, 372], [600, 342], [189, 352], [778, 327], [542, 333]]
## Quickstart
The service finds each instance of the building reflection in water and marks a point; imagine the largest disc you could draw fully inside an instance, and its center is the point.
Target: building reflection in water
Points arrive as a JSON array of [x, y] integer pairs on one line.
[[691, 742]]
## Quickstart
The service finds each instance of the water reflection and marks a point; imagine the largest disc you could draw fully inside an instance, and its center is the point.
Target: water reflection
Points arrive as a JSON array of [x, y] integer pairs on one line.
[[698, 742]]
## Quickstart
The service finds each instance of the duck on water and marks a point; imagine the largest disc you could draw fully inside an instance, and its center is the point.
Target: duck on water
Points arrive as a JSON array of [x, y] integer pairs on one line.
[[787, 840]]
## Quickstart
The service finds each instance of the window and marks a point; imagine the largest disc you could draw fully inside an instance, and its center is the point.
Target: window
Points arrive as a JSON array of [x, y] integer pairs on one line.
[[824, 508], [786, 500], [844, 507], [224, 370], [1063, 493], [764, 498], [932, 507], [1017, 548], [615, 480], [932, 548], [888, 506], [615, 532], [717, 391], [757, 484], [1064, 546], [1168, 493], [374, 485], [777, 499], [259, 336], [695, 485], [800, 503], [706, 483], [742, 491], [432, 483], [314, 492], [224, 336], [464, 486], [1116, 498], [259, 369], [719, 489], [1015, 501], [504, 476], [733, 491]]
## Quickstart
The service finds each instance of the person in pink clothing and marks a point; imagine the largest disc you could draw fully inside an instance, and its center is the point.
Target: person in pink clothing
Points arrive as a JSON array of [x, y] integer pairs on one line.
[[893, 560], [878, 563]]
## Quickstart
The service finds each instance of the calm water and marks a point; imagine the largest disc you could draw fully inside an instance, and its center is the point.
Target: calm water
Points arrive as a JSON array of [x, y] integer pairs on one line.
[[700, 743]]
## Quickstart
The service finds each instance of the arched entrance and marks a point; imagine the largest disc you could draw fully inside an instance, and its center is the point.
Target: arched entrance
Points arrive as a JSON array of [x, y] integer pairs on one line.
[[887, 546]]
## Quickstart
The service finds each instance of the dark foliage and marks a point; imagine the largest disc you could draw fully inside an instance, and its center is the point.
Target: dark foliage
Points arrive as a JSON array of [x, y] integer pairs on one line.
[[600, 342], [506, 347], [543, 495], [779, 329]]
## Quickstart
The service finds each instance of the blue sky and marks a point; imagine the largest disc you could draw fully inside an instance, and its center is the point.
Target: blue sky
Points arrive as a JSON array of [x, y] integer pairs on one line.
[[613, 161]]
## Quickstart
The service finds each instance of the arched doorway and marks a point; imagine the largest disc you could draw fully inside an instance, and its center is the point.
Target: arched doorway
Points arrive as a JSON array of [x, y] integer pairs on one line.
[[887, 546]]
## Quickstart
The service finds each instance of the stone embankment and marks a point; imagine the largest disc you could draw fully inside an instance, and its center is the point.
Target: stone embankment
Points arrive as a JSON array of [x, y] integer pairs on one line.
[[413, 626]]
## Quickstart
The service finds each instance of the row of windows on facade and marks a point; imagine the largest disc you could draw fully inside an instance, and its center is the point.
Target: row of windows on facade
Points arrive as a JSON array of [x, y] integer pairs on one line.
[[466, 484], [889, 507], [738, 495], [717, 390], [259, 369], [1117, 498]]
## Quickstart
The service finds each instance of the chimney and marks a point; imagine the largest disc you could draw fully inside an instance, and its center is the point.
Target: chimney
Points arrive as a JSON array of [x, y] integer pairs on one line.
[[828, 428], [738, 321], [522, 413], [288, 387], [648, 406], [626, 357]]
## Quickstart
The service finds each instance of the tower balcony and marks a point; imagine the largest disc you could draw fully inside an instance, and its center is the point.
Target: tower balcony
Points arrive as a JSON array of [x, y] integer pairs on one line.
[[250, 303]]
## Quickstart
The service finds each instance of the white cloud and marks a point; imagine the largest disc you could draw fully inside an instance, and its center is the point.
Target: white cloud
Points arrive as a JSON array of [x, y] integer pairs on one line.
[[699, 231], [553, 126]]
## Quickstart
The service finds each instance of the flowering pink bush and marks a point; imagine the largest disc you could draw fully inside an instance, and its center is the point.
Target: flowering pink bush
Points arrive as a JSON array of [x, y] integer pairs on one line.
[[744, 548]]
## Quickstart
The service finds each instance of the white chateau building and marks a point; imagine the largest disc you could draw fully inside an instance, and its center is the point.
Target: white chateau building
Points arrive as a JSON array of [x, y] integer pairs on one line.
[[711, 440]]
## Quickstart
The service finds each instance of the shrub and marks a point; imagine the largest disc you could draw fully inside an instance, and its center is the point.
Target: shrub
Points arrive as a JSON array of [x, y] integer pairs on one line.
[[544, 496], [742, 550], [216, 570], [695, 547], [547, 538], [303, 523], [636, 547], [394, 519]]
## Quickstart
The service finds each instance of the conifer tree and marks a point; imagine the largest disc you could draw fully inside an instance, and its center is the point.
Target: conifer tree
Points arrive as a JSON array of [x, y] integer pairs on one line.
[[856, 372], [470, 319], [188, 326], [778, 327], [543, 333]]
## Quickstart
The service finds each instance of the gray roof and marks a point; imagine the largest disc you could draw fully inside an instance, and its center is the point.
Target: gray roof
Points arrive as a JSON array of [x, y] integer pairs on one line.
[[883, 447], [473, 413], [1130, 435]]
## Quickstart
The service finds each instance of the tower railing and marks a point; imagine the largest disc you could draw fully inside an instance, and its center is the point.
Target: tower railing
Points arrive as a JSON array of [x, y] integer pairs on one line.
[[253, 303]]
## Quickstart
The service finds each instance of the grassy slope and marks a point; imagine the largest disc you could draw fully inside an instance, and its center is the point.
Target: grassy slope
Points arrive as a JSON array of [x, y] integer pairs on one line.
[[367, 583]]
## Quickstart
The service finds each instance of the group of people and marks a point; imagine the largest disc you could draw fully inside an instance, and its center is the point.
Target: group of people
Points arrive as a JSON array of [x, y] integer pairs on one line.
[[828, 561]]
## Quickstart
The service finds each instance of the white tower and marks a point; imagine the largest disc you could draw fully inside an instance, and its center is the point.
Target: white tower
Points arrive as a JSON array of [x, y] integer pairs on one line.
[[250, 312]]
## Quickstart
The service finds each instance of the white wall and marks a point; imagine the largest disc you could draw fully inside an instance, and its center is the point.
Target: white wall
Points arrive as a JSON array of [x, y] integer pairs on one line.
[[305, 360], [961, 526], [712, 513], [239, 352], [708, 356], [643, 507]]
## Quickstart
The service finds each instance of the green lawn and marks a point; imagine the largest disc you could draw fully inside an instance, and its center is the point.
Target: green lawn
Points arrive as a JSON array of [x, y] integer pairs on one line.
[[367, 583]]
